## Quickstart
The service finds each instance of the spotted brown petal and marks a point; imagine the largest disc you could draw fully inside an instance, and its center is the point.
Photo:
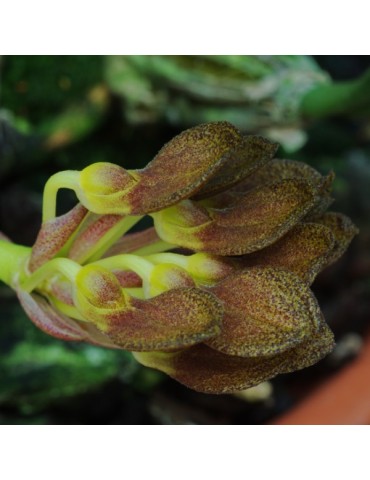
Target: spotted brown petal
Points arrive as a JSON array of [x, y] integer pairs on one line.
[[276, 171], [184, 165], [324, 197], [304, 250], [209, 371], [343, 231], [45, 317], [133, 241], [267, 311], [251, 154], [62, 290], [282, 169], [54, 234], [309, 352], [259, 218], [180, 169], [93, 229], [173, 319], [128, 279], [54, 323]]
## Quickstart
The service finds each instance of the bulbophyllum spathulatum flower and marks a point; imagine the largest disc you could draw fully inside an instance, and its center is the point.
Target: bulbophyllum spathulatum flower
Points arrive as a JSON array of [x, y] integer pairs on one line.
[[216, 294]]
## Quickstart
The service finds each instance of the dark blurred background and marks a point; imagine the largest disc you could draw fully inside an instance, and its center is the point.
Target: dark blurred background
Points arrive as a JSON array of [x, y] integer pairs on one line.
[[66, 112]]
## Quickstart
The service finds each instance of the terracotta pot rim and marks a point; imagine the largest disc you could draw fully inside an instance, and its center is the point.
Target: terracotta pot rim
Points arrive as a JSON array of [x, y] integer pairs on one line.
[[343, 400]]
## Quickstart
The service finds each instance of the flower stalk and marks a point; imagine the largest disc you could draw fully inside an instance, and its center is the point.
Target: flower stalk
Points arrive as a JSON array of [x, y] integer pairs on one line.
[[13, 259]]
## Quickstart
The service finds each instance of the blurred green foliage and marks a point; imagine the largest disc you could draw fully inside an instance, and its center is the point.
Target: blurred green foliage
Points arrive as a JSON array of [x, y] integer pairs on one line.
[[39, 87], [37, 371], [254, 93]]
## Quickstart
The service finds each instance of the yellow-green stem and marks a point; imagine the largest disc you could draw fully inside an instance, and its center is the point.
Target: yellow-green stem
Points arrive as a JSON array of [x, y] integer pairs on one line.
[[68, 310], [157, 247], [128, 261], [110, 238], [68, 179], [65, 266], [13, 259], [174, 258], [136, 292]]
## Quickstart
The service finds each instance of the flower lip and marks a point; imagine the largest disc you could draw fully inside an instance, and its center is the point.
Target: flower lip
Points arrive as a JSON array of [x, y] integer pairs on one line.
[[99, 287], [103, 179]]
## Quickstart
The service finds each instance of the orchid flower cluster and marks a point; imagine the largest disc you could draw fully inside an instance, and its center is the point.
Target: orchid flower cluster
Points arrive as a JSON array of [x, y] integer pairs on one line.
[[216, 294]]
